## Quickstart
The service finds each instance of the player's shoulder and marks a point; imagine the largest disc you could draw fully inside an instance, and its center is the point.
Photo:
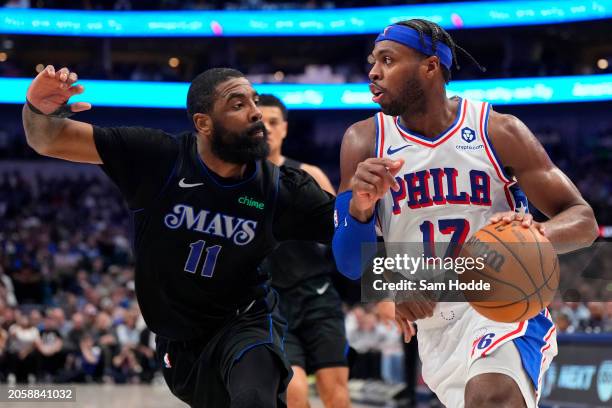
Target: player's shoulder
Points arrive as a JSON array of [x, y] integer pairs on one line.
[[361, 130], [506, 129], [359, 139]]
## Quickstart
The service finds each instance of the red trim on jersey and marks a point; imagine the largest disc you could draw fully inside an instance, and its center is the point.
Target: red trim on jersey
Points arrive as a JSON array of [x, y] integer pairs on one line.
[[545, 347], [381, 129], [450, 133], [512, 333], [487, 147]]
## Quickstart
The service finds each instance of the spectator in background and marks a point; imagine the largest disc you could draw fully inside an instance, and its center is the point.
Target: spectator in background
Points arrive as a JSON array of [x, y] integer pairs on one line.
[[145, 352], [392, 349], [363, 337], [3, 355], [22, 339], [49, 350], [563, 324], [596, 322], [105, 337], [576, 312]]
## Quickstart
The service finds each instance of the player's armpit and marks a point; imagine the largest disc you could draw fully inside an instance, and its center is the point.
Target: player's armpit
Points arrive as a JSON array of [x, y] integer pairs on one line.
[[572, 224]]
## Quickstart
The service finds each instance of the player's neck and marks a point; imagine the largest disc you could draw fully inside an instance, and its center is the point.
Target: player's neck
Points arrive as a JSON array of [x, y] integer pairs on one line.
[[276, 157], [219, 166], [437, 116]]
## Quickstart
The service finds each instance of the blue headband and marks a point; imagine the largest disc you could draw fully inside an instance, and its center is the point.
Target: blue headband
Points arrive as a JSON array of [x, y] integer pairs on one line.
[[410, 38]]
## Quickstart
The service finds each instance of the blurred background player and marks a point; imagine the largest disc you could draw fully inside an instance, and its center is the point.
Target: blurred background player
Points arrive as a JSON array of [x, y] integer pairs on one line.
[[407, 165], [316, 340]]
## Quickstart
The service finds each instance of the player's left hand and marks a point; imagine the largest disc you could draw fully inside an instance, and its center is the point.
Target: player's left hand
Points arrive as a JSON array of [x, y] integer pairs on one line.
[[525, 219]]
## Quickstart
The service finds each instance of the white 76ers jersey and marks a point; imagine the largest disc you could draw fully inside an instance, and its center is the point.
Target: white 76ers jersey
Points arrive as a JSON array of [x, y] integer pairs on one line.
[[450, 186]]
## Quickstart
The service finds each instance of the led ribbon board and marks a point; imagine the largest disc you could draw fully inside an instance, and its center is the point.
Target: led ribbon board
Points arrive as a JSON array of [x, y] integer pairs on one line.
[[294, 22], [515, 91]]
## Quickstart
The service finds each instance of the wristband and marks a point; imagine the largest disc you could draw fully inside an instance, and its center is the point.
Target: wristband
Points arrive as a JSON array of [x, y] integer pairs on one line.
[[61, 112]]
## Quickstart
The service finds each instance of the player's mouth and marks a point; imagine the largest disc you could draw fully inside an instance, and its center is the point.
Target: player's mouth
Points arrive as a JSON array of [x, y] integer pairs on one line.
[[377, 93], [258, 130]]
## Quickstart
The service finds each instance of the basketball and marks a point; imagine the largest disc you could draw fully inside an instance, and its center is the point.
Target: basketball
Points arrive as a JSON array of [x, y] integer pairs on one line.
[[521, 267]]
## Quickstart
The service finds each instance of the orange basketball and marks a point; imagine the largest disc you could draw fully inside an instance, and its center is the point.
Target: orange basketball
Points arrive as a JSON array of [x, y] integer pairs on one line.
[[521, 267]]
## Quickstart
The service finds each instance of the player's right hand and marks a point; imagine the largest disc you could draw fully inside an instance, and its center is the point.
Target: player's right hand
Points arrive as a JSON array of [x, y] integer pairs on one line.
[[371, 181], [51, 89]]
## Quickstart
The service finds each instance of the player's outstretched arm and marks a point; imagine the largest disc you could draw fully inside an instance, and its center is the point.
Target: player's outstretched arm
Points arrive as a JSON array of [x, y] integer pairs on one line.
[[47, 130], [571, 223]]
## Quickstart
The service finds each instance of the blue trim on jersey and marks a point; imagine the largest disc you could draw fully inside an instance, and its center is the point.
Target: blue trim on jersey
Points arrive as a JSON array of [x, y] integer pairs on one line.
[[530, 345], [486, 135], [213, 178], [346, 349], [440, 135], [377, 135]]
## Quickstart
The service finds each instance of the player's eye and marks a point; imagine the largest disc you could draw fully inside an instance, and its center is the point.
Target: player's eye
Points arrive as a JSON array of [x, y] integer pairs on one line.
[[387, 60], [238, 105]]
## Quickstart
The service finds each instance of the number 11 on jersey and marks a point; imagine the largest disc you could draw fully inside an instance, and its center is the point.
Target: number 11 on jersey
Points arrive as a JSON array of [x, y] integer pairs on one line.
[[195, 254]]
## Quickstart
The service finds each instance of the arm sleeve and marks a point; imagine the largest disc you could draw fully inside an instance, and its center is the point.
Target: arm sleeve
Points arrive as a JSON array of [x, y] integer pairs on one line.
[[348, 237], [138, 160], [304, 211]]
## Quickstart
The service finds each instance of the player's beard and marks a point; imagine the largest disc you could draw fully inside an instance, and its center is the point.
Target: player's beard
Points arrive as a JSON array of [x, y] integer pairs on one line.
[[410, 100], [240, 148]]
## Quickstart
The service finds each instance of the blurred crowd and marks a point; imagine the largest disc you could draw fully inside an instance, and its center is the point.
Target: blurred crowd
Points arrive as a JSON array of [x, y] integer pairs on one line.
[[67, 304]]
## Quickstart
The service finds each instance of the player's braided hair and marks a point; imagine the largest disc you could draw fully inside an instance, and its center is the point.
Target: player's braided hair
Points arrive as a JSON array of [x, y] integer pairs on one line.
[[438, 34], [201, 95]]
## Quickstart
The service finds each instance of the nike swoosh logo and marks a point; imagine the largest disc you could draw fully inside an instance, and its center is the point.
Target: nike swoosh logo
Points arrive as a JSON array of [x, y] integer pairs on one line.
[[323, 288], [391, 151], [188, 185]]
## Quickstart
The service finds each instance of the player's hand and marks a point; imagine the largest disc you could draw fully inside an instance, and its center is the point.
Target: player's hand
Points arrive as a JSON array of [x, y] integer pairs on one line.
[[371, 181], [418, 306], [526, 220], [51, 89]]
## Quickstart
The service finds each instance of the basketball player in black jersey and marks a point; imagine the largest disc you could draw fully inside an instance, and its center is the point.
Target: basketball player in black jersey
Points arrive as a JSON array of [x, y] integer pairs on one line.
[[316, 340], [207, 208]]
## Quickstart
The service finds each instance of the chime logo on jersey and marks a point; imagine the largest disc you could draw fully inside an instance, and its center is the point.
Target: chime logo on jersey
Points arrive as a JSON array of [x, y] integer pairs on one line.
[[439, 187], [239, 230]]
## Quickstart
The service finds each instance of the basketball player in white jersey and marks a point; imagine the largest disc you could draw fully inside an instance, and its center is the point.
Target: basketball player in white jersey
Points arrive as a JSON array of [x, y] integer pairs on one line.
[[433, 169]]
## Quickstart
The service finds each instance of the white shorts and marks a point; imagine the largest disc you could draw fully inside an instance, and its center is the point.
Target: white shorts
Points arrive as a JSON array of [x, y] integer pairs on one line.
[[472, 345]]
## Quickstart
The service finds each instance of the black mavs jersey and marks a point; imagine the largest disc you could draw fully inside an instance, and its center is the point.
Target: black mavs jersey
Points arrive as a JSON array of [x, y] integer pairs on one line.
[[199, 237], [295, 261]]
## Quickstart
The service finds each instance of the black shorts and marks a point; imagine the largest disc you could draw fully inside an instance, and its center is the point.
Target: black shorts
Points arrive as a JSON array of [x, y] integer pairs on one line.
[[316, 337], [198, 371]]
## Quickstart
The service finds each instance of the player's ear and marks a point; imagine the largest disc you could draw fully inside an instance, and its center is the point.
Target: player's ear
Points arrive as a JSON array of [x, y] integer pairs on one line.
[[431, 65], [202, 123]]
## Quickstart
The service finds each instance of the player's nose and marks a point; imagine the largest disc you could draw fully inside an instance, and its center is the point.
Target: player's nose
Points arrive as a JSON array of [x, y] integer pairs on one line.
[[256, 114], [374, 74]]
